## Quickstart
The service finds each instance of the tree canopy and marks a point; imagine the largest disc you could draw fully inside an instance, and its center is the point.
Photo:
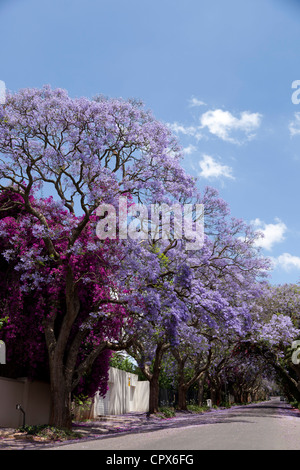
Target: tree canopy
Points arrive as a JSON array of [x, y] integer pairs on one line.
[[70, 297]]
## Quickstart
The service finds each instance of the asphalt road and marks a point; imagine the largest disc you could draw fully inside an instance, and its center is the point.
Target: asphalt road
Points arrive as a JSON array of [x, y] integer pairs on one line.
[[271, 425]]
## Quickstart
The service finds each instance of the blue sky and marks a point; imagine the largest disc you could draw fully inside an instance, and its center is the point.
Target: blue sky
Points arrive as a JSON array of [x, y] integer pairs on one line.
[[218, 73]]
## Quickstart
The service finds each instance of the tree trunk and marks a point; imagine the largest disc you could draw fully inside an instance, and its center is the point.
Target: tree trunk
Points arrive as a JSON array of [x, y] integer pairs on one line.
[[182, 391], [153, 376], [201, 383], [154, 381], [182, 385], [154, 394], [213, 395], [237, 396], [60, 415], [61, 360]]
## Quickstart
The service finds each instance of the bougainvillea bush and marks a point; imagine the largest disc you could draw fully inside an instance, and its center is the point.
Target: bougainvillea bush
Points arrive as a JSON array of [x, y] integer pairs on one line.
[[33, 292]]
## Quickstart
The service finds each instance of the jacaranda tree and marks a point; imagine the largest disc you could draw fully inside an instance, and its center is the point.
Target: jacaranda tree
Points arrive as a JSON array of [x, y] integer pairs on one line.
[[84, 153], [196, 297]]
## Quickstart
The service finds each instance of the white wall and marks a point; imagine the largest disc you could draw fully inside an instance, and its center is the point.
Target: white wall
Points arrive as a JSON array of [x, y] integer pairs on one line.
[[142, 396], [125, 394], [118, 399]]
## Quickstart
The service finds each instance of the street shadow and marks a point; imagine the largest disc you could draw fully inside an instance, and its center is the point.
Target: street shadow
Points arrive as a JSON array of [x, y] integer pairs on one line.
[[240, 414]]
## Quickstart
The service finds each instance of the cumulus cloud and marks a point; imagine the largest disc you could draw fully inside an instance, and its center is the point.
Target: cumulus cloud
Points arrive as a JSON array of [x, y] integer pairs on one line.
[[228, 127], [194, 102], [191, 131], [221, 124], [275, 233], [287, 261], [210, 168], [189, 149], [272, 233]]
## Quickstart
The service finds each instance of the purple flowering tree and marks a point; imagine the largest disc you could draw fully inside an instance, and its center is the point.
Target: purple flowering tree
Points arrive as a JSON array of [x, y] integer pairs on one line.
[[197, 297], [84, 153], [226, 281], [276, 324]]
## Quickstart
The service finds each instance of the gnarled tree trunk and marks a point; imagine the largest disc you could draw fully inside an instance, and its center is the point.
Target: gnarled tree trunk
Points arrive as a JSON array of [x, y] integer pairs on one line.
[[183, 383], [153, 376], [60, 415]]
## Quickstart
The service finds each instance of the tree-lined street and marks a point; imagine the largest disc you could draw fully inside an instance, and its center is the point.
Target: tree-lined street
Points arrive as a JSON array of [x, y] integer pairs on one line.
[[149, 221], [72, 293], [271, 425]]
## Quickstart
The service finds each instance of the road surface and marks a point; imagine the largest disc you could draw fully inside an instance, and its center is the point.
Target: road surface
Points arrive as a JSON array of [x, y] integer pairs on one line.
[[271, 425]]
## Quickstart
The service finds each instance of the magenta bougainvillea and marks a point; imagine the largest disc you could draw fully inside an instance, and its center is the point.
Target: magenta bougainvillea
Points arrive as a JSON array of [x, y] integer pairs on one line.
[[33, 288]]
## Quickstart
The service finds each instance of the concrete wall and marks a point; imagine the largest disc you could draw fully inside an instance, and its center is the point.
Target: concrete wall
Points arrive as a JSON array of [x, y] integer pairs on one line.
[[34, 398], [125, 394], [142, 396]]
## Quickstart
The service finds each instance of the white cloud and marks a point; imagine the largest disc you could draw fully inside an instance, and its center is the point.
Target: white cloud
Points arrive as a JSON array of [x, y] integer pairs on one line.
[[189, 149], [287, 261], [223, 124], [294, 126], [195, 102], [191, 131], [273, 233], [212, 169], [220, 123]]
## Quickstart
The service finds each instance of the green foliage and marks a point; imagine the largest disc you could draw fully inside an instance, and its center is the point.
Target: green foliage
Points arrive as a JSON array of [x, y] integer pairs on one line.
[[164, 260], [225, 405], [295, 404], [3, 321], [197, 408], [50, 433], [119, 361], [81, 400], [167, 412]]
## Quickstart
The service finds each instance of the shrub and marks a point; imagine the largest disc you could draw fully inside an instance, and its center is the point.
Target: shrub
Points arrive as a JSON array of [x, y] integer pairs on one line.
[[197, 408], [51, 433], [167, 412]]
